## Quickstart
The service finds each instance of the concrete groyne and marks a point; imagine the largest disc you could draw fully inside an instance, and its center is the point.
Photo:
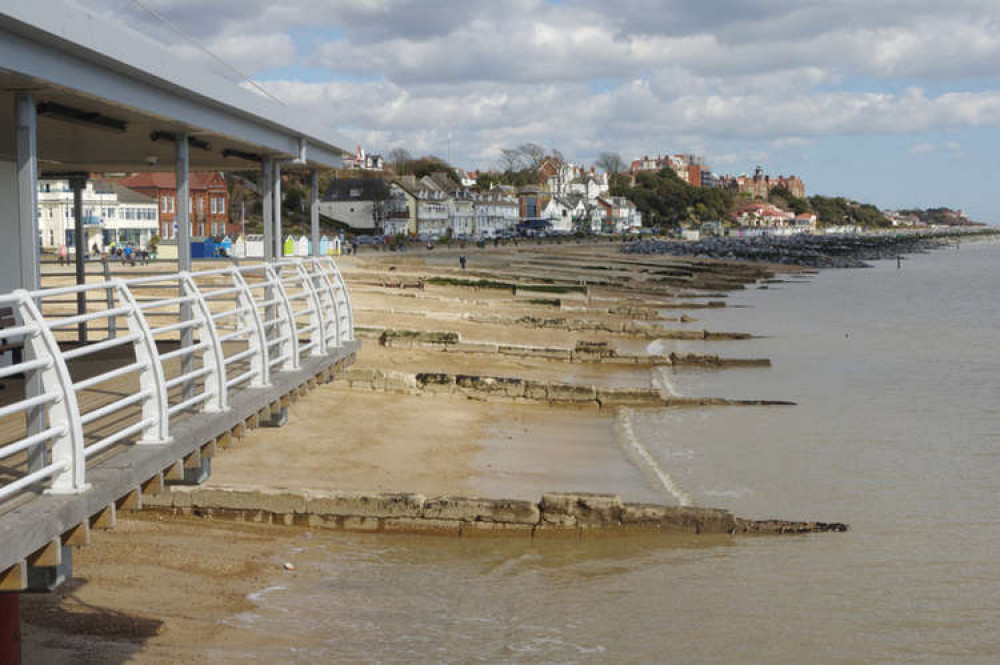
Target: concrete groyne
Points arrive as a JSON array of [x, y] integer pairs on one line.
[[513, 389], [583, 352], [557, 514]]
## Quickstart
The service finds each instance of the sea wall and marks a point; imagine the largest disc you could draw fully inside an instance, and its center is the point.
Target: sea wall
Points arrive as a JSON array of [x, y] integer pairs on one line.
[[558, 514]]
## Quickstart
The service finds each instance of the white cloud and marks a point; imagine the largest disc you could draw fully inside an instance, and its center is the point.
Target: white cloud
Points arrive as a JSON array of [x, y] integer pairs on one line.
[[635, 75]]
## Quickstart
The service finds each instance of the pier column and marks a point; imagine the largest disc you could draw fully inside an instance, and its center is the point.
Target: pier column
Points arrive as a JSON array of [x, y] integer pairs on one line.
[[267, 210], [183, 203], [10, 628], [314, 210], [19, 251], [21, 247], [276, 203], [78, 184], [183, 221]]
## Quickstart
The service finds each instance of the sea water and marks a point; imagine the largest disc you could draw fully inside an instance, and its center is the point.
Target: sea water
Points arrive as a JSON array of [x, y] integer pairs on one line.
[[896, 375]]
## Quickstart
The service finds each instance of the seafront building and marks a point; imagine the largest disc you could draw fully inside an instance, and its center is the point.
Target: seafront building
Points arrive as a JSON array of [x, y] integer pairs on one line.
[[208, 201], [112, 213]]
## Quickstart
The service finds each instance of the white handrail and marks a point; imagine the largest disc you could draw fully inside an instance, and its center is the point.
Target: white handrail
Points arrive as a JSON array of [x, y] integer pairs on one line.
[[263, 317], [342, 289], [214, 359], [286, 324], [324, 275], [69, 474], [152, 378], [316, 323], [255, 340]]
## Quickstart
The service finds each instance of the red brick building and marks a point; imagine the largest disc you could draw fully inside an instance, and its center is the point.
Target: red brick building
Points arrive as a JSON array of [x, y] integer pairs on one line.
[[209, 211]]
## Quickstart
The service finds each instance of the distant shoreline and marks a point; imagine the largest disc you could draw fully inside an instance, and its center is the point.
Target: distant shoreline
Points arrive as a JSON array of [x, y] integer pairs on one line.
[[811, 251]]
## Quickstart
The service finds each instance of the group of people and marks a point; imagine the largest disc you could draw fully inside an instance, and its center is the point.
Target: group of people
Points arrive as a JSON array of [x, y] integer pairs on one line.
[[127, 254]]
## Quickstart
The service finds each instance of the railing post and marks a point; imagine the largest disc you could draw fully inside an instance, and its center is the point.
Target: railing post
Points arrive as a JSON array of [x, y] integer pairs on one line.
[[316, 314], [214, 359], [287, 320], [345, 298], [64, 413], [152, 377], [321, 273], [256, 340]]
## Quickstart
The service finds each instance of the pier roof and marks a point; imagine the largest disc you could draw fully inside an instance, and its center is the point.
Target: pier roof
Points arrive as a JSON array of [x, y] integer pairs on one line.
[[110, 99]]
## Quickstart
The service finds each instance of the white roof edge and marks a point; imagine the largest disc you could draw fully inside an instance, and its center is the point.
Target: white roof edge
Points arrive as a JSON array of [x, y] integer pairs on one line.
[[67, 27]]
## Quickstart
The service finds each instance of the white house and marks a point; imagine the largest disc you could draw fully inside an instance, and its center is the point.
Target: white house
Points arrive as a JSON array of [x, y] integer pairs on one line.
[[432, 212], [111, 213], [563, 212]]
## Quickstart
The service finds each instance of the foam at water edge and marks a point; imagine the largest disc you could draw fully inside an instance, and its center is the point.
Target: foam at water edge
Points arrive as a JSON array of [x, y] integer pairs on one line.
[[661, 381], [625, 435]]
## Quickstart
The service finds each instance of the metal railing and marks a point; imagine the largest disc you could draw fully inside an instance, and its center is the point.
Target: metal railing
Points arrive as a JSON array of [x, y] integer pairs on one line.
[[176, 344]]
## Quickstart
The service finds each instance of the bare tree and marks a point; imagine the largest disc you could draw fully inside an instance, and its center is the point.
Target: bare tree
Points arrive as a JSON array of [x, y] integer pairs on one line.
[[611, 163], [399, 158], [511, 160], [534, 154]]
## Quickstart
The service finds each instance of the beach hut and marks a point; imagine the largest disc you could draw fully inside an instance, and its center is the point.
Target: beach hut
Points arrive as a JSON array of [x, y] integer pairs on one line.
[[224, 247], [167, 249], [254, 246], [324, 246], [300, 246], [202, 247], [333, 249], [288, 247], [240, 247]]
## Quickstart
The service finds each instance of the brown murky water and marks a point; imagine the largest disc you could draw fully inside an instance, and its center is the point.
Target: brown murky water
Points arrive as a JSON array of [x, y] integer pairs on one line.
[[897, 431]]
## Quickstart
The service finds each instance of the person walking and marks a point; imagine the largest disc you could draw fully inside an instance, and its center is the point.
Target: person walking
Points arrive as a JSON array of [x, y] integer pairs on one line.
[[461, 261], [63, 254]]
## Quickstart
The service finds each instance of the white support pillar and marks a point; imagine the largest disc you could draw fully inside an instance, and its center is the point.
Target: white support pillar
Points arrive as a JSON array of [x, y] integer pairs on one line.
[[78, 184], [27, 191], [183, 220], [19, 253], [279, 243], [314, 210], [183, 204], [267, 209]]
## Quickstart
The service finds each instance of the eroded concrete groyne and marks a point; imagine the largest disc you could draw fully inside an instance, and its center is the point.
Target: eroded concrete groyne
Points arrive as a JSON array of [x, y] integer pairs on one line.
[[557, 514]]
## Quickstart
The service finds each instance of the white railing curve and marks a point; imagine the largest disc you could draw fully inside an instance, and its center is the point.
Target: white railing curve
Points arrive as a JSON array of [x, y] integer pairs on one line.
[[237, 327]]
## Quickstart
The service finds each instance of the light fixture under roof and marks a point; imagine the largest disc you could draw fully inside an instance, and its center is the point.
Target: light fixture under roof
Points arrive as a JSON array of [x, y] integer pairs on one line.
[[77, 116]]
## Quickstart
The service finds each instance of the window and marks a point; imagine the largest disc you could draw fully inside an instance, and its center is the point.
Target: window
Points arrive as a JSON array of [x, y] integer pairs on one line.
[[201, 206], [164, 203], [212, 208]]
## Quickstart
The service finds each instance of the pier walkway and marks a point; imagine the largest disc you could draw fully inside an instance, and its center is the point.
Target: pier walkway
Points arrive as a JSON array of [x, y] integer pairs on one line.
[[172, 365]]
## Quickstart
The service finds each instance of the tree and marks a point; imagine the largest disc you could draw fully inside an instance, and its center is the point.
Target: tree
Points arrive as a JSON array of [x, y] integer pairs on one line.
[[611, 163], [533, 154], [399, 158], [511, 160]]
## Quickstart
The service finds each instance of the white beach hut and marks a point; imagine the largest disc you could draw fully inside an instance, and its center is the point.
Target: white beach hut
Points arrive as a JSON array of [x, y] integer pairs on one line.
[[254, 246], [301, 246]]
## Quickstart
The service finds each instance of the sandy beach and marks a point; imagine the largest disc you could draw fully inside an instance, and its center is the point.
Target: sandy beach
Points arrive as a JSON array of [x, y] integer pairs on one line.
[[158, 588]]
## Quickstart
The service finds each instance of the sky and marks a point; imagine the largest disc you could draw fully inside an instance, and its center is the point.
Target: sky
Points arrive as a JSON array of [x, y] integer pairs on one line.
[[894, 102]]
